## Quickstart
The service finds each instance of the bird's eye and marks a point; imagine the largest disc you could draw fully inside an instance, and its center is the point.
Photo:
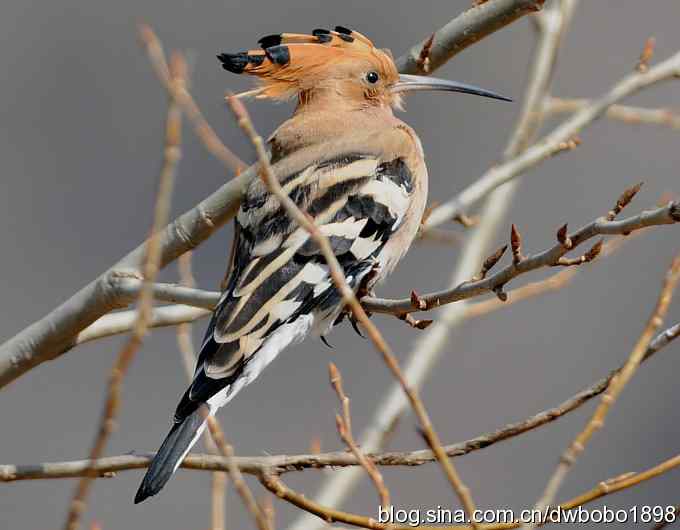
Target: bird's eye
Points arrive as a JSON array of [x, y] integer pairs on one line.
[[372, 77]]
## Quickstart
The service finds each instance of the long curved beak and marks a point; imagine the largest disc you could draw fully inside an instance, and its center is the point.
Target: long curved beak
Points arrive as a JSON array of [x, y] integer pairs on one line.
[[411, 83]]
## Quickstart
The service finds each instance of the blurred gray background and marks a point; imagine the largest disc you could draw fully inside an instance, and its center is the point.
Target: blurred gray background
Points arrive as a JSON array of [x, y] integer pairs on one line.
[[80, 147]]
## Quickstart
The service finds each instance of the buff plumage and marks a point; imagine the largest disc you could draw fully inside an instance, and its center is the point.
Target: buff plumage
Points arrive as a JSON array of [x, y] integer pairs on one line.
[[353, 167]]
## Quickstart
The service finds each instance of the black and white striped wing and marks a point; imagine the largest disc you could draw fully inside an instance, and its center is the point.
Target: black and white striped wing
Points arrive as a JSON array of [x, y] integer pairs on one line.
[[280, 287]]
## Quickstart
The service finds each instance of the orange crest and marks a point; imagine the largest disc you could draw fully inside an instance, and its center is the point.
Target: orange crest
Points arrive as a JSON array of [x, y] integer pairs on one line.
[[289, 64]]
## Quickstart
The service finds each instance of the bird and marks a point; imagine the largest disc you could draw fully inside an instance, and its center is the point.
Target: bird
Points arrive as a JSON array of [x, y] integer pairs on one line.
[[350, 164]]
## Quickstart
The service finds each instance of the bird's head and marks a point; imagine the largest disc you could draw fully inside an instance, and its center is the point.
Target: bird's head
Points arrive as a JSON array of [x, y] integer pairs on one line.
[[341, 64]]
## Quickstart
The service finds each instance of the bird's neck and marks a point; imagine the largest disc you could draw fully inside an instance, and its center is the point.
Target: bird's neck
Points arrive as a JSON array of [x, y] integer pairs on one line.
[[322, 119]]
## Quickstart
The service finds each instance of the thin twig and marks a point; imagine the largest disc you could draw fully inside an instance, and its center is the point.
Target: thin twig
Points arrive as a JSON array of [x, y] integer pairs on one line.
[[267, 506], [552, 283], [227, 451], [614, 389], [174, 315], [665, 215], [349, 299], [479, 285], [218, 514], [171, 156], [330, 515], [665, 117], [344, 425], [185, 346], [122, 321], [181, 94], [625, 481]]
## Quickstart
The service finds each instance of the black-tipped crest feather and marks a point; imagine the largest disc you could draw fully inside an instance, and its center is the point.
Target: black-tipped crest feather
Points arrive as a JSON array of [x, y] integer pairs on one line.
[[343, 29], [234, 62], [278, 54], [269, 40]]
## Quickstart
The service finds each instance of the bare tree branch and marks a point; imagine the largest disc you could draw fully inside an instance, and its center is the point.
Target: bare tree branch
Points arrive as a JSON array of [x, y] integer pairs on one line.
[[172, 293], [466, 29], [122, 322], [552, 283], [168, 316], [173, 315], [665, 215]]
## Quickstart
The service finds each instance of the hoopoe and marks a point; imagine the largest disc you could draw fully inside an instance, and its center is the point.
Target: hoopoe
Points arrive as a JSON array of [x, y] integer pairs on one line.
[[345, 160]]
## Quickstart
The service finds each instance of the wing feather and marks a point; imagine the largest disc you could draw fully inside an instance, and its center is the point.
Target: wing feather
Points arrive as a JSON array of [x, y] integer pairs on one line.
[[278, 274]]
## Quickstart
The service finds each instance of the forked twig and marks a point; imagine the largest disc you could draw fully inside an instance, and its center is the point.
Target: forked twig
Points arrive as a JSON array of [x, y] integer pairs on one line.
[[485, 283], [614, 389], [344, 425], [196, 299]]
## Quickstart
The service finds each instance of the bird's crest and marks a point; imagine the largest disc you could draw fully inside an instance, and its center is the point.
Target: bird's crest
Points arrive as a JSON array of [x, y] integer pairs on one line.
[[288, 64]]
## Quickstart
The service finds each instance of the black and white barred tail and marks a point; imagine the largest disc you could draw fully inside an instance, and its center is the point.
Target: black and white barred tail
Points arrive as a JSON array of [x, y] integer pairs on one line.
[[176, 445]]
